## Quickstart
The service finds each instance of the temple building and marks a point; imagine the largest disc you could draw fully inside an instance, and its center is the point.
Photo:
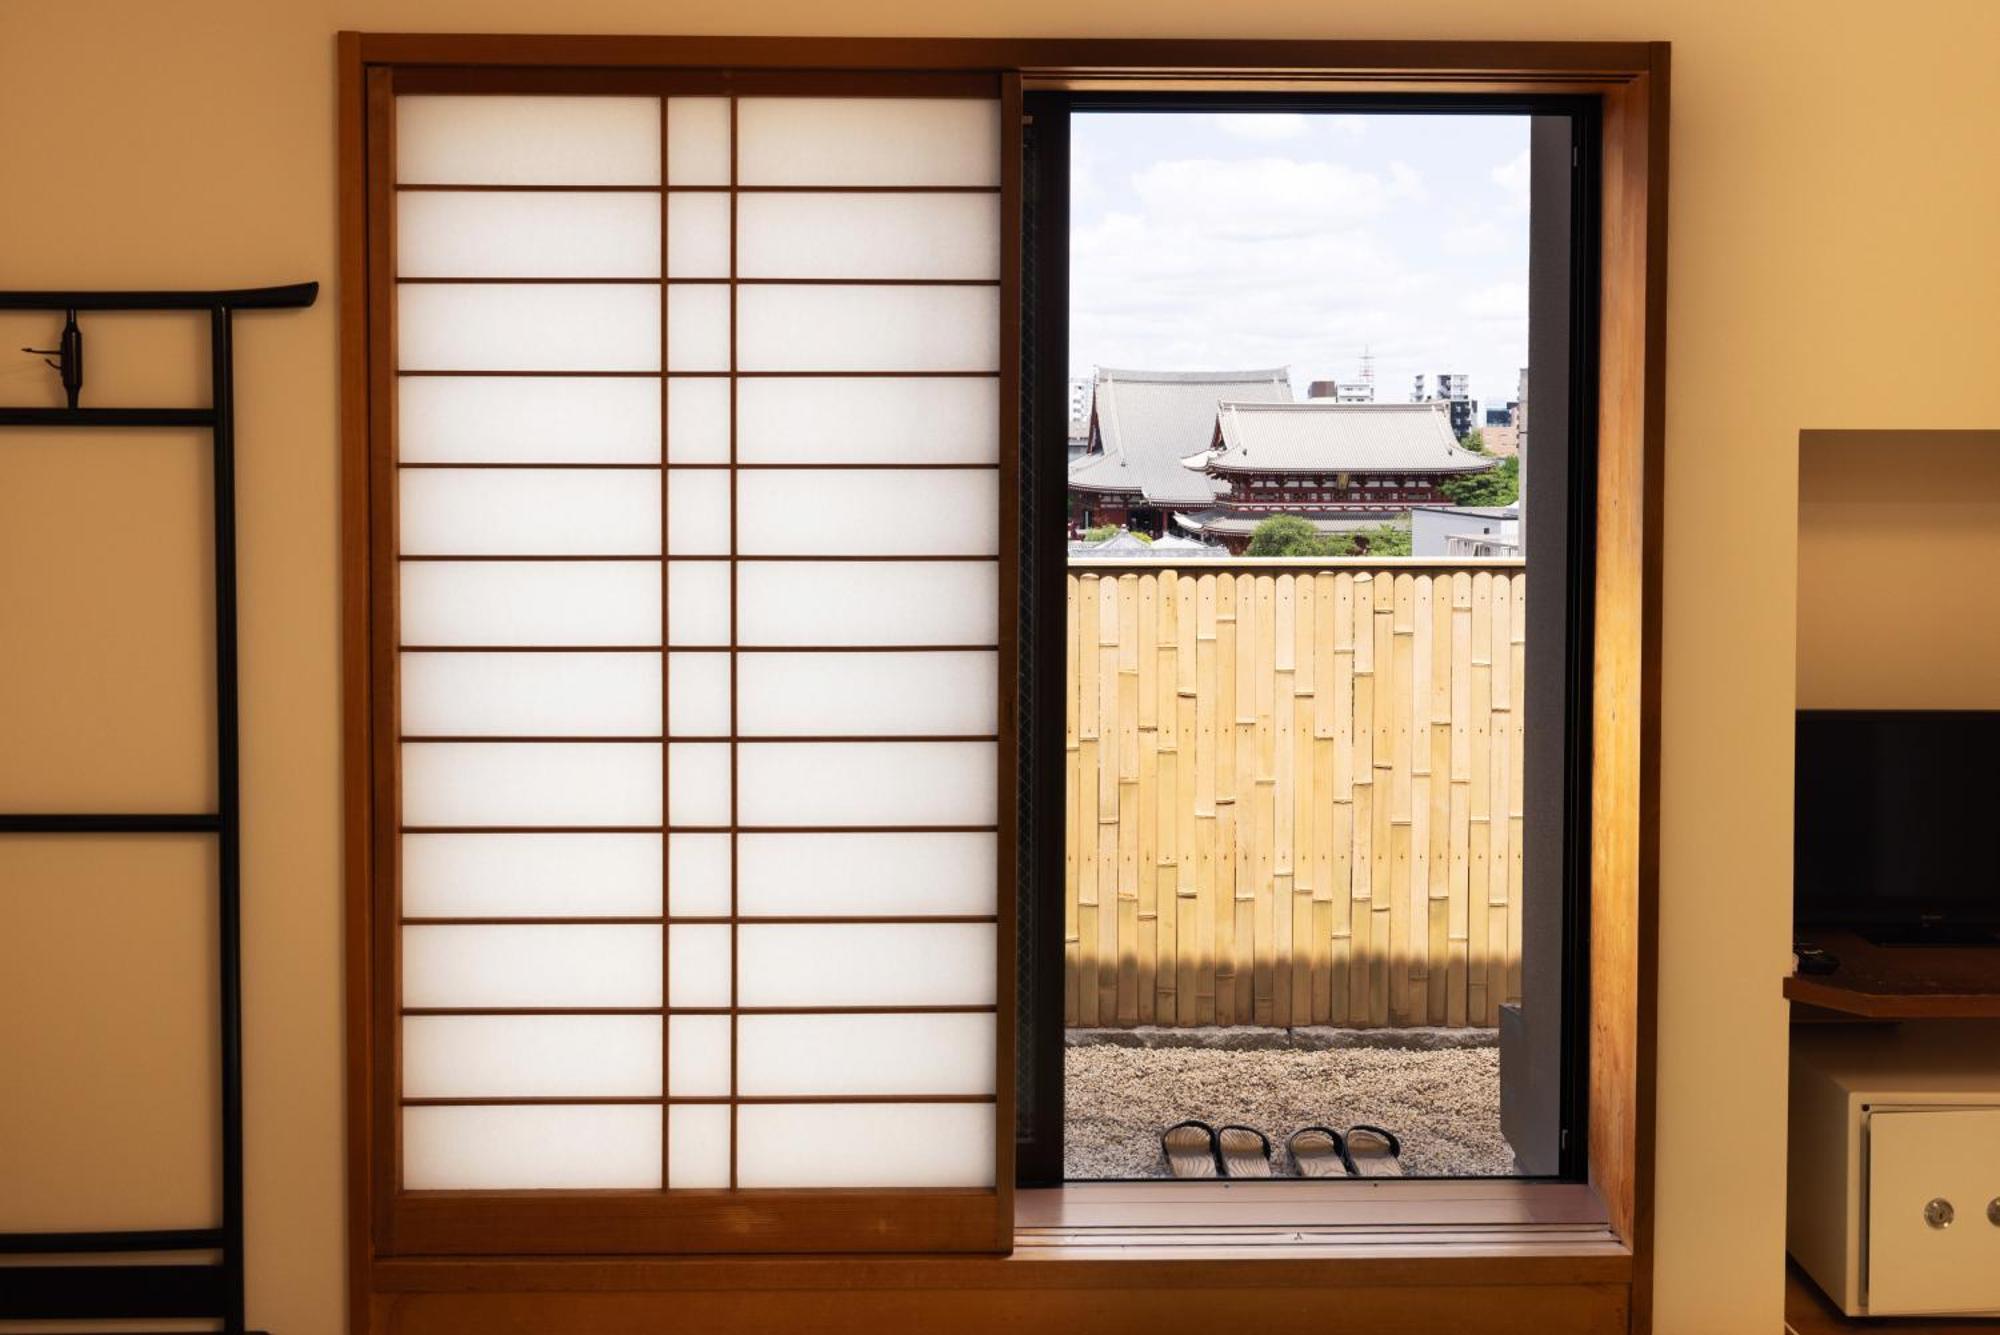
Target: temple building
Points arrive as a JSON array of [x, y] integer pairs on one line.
[[1340, 466], [1142, 425]]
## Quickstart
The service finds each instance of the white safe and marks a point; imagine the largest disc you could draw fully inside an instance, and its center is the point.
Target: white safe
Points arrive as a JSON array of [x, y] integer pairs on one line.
[[1893, 1200]]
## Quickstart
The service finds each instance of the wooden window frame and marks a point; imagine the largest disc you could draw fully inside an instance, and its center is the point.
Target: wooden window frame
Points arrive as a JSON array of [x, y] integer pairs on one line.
[[422, 1275]]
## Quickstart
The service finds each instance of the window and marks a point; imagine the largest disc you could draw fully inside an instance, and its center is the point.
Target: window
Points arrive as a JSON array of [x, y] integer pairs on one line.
[[796, 323]]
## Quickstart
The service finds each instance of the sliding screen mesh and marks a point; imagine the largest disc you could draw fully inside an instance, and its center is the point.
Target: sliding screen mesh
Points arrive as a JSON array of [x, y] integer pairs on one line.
[[699, 505]]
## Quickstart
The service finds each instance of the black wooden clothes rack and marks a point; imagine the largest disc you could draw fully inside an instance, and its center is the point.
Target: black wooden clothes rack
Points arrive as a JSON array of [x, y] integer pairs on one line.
[[210, 1289]]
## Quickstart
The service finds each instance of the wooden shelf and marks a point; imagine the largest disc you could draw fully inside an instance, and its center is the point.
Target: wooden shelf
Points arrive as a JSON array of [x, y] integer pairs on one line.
[[1810, 1312], [1902, 982]]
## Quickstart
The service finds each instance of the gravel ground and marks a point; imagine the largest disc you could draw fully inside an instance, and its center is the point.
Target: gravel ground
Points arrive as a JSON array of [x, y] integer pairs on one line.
[[1444, 1104]]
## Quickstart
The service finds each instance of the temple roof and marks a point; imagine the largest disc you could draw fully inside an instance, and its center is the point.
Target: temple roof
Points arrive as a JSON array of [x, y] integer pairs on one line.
[[1148, 421], [1323, 437]]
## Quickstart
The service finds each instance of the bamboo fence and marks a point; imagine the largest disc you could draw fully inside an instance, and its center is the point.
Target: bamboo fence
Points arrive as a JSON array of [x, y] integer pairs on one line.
[[1294, 793]]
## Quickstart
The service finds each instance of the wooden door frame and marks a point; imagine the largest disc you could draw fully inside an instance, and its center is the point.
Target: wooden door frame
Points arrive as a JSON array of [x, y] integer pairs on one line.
[[1631, 79]]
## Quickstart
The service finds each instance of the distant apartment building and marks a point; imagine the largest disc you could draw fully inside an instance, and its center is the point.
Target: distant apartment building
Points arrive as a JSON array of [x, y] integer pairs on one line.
[[1439, 531], [1341, 391], [1498, 433], [1079, 417], [1448, 387]]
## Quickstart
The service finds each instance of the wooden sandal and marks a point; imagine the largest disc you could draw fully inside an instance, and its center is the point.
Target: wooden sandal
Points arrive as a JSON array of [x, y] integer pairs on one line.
[[1245, 1151], [1320, 1151], [1190, 1150]]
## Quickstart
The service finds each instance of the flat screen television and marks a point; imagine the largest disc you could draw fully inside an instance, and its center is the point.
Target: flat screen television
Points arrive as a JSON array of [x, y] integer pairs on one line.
[[1897, 824]]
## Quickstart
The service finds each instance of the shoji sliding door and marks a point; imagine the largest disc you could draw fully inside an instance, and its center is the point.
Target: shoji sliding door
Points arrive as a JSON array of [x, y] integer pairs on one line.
[[692, 833]]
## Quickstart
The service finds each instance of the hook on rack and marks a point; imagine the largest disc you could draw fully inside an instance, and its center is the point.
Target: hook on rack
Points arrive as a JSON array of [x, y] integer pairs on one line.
[[68, 355]]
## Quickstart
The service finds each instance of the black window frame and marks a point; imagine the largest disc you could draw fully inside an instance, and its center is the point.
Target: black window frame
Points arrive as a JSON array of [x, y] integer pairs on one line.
[[1565, 314]]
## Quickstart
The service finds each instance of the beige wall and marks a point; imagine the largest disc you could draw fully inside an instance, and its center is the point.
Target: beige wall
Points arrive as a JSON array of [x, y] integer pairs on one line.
[[1899, 541], [1832, 266]]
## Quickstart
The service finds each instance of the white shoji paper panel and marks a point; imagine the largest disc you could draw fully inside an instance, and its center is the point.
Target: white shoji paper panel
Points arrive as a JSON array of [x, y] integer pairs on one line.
[[811, 235], [902, 141], [865, 1054], [529, 512], [697, 327], [698, 235], [698, 1051], [698, 965], [697, 512], [862, 874], [698, 782], [887, 603], [531, 783], [881, 1145], [528, 419], [698, 594], [526, 695], [866, 783], [864, 964], [881, 512], [698, 695], [698, 874], [839, 327], [698, 1145], [532, 140], [698, 420], [881, 694], [532, 602], [531, 875], [552, 967], [549, 1146], [530, 1056], [528, 327], [877, 420], [544, 234], [697, 141]]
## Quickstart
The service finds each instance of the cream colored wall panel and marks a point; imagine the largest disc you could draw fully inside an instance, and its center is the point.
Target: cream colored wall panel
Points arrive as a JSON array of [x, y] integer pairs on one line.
[[880, 512]]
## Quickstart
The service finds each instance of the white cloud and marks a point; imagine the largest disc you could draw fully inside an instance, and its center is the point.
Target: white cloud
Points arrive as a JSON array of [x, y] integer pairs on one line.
[[1477, 238], [1269, 197], [1497, 301], [1512, 177], [1263, 126]]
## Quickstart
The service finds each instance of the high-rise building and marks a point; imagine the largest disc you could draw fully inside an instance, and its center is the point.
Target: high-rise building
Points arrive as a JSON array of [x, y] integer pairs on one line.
[[1449, 387]]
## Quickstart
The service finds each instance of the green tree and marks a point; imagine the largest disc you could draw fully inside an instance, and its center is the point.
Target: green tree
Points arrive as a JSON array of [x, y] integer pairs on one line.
[[1289, 535], [1285, 535], [1105, 532], [1496, 486], [1474, 440]]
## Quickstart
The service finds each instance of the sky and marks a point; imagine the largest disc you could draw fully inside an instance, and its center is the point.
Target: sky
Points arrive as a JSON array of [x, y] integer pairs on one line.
[[1233, 241]]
